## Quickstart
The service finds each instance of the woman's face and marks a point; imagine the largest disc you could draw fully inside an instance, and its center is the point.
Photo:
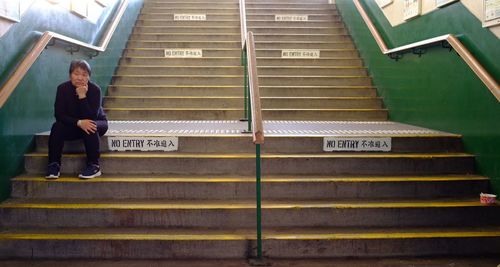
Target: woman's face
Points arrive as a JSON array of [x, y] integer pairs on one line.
[[79, 77]]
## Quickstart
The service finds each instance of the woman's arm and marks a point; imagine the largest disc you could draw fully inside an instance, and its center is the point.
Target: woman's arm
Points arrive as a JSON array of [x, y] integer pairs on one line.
[[89, 105], [60, 107]]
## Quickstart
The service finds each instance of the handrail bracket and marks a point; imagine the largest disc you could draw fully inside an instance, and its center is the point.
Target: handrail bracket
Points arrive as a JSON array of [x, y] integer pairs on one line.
[[72, 49], [418, 51], [396, 56], [449, 41]]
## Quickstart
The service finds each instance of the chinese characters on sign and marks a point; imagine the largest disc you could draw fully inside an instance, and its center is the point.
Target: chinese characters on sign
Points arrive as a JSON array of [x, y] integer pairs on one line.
[[383, 3], [190, 16], [284, 17], [357, 144], [183, 53], [411, 9], [143, 143], [440, 3], [491, 13], [299, 53]]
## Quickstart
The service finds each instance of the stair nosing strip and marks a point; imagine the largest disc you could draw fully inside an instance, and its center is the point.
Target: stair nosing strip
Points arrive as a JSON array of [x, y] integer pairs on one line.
[[243, 237], [268, 156], [249, 205], [371, 179]]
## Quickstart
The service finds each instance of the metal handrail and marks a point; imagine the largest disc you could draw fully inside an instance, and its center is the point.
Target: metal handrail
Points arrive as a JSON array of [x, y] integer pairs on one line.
[[455, 43], [253, 114], [254, 117], [48, 37], [254, 95], [243, 23]]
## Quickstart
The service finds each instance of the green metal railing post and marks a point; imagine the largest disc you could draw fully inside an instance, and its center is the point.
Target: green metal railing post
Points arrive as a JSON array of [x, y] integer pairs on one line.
[[259, 215], [249, 115], [245, 83]]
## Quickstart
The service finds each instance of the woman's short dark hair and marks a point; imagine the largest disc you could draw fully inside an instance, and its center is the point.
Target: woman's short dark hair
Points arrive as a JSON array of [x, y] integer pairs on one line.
[[80, 63]]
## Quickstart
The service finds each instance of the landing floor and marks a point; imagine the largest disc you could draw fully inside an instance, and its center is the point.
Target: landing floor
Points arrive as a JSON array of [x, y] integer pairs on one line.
[[421, 262], [271, 128]]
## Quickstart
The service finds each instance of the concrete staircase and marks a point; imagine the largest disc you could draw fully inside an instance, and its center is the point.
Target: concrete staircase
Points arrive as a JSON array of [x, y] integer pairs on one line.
[[334, 86], [149, 86], [420, 199]]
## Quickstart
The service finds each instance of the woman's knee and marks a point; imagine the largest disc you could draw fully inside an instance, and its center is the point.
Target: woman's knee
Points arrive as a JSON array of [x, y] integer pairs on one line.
[[58, 129], [102, 127]]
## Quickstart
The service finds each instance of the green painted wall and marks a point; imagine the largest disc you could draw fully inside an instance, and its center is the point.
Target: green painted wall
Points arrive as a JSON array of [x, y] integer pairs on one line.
[[437, 90], [29, 110]]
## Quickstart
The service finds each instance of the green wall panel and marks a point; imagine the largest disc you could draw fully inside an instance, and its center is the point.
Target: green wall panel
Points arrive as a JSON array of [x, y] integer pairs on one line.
[[29, 110], [437, 90]]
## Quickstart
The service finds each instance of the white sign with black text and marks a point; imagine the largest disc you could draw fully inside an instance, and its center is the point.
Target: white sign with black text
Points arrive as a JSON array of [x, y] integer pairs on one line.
[[291, 17], [300, 53], [190, 16], [357, 144], [143, 143], [183, 53]]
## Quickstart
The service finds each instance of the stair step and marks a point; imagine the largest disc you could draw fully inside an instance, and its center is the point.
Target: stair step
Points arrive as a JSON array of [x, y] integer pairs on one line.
[[238, 188], [341, 61], [207, 36], [236, 36], [296, 30], [184, 44], [308, 23], [236, 80], [139, 90], [150, 243], [303, 45], [302, 37], [186, 29], [156, 61], [279, 139], [235, 102], [312, 70], [292, 10], [190, 4], [50, 213], [307, 6], [191, 1], [237, 44], [173, 102], [235, 70], [325, 262], [236, 29], [168, 2], [324, 53], [314, 17], [236, 61], [206, 52], [202, 9], [327, 91], [170, 22], [314, 80], [236, 113], [287, 2], [233, 80], [209, 17], [279, 164], [178, 70]]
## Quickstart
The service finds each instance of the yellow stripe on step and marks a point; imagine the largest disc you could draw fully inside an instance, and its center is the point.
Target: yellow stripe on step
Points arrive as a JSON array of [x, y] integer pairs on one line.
[[252, 180], [402, 235], [232, 206], [227, 237], [269, 156]]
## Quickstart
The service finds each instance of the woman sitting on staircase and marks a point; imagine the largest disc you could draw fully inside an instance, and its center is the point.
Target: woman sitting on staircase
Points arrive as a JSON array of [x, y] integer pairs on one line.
[[79, 115]]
